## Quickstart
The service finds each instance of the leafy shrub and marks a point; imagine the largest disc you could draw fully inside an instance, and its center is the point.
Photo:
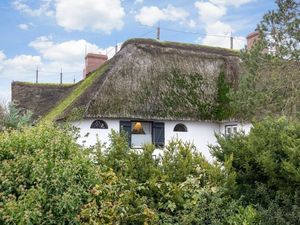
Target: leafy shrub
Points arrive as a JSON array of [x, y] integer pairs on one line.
[[265, 165], [44, 177]]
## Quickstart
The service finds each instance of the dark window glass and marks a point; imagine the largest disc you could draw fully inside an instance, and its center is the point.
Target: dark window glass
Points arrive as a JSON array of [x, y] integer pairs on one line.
[[99, 124], [231, 129], [125, 126], [158, 134], [180, 128]]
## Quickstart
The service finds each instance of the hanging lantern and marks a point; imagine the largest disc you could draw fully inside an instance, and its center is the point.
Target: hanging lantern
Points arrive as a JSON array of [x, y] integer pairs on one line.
[[138, 128]]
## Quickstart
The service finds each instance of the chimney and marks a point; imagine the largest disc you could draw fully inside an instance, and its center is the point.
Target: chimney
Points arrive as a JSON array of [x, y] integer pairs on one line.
[[93, 62], [251, 38]]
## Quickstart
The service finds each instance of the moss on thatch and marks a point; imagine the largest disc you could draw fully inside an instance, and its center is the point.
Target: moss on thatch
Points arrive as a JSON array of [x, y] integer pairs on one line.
[[142, 84], [138, 83], [74, 95]]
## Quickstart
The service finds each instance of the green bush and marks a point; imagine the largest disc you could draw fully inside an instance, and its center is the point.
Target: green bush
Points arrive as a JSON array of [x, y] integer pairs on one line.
[[265, 167], [44, 177]]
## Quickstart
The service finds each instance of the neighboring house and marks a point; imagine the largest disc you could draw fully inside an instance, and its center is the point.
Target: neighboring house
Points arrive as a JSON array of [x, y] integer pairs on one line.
[[154, 91]]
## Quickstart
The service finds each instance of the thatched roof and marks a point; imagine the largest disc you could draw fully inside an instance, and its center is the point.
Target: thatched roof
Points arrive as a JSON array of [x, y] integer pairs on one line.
[[38, 98], [149, 79]]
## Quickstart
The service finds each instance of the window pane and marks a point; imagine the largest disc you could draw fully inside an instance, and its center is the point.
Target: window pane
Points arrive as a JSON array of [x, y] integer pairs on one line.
[[141, 134]]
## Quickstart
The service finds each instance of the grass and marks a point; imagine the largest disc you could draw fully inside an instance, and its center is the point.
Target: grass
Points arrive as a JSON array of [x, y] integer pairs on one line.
[[73, 96]]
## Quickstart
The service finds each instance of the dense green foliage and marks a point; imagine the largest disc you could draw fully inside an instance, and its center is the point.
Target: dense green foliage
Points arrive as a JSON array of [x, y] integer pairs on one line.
[[270, 81], [265, 165], [46, 178], [222, 109], [280, 29]]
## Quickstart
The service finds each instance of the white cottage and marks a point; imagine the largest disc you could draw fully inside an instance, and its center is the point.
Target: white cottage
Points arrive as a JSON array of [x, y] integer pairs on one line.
[[154, 91]]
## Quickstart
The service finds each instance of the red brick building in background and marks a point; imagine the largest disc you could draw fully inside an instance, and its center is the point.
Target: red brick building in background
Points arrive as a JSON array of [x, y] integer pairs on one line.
[[93, 62], [251, 38]]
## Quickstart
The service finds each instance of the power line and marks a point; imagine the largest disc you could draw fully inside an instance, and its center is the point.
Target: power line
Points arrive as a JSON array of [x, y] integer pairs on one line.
[[193, 33]]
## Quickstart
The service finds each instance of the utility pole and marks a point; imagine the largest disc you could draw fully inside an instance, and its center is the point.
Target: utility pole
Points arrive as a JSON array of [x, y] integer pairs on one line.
[[74, 79], [37, 74], [61, 74], [158, 31], [231, 41]]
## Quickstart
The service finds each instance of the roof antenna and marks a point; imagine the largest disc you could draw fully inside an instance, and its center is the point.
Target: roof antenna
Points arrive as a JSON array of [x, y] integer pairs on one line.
[[158, 31], [61, 75], [37, 74], [231, 41], [116, 47]]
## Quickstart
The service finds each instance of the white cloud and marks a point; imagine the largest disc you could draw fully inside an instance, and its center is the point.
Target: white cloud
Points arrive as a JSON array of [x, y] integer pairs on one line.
[[138, 1], [191, 23], [70, 53], [150, 15], [210, 12], [19, 65], [218, 32], [97, 15], [23, 26], [235, 3], [43, 10], [2, 56], [50, 58], [102, 15]]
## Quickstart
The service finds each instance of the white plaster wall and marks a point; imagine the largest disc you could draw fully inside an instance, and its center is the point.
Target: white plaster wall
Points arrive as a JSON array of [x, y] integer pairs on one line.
[[201, 134], [94, 134]]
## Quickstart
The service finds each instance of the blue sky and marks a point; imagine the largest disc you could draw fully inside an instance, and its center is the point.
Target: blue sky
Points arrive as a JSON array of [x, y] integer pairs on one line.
[[53, 34]]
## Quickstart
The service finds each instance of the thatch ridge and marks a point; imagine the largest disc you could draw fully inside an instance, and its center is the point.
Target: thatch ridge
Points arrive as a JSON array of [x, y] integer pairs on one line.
[[31, 84], [182, 46]]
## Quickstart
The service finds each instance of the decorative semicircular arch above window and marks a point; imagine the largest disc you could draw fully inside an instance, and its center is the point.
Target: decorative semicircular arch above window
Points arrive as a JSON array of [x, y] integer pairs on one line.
[[180, 128], [99, 124]]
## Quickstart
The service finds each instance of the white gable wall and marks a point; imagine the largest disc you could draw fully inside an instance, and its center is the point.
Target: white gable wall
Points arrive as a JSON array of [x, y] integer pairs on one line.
[[89, 137], [201, 134]]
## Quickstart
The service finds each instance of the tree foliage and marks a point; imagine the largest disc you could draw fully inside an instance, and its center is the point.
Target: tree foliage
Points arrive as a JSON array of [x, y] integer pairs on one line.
[[11, 117], [280, 29], [265, 165], [46, 178], [270, 81]]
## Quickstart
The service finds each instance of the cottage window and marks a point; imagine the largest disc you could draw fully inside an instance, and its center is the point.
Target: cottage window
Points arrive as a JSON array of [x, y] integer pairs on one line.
[[99, 124], [180, 128], [140, 133], [231, 129]]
